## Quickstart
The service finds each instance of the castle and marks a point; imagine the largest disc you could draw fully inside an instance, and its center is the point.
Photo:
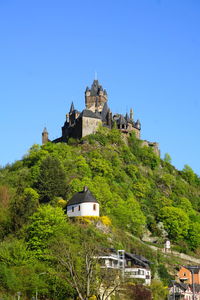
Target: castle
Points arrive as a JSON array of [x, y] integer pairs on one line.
[[96, 112]]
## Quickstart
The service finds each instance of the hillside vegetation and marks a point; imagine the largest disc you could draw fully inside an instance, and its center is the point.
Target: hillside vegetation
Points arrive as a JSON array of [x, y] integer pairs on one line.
[[136, 190]]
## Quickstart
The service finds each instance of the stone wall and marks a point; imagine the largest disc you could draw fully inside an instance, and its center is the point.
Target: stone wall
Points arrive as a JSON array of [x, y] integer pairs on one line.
[[90, 125]]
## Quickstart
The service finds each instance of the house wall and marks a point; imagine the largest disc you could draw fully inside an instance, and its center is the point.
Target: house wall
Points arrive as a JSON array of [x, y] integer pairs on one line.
[[186, 274], [139, 273], [86, 209], [90, 125]]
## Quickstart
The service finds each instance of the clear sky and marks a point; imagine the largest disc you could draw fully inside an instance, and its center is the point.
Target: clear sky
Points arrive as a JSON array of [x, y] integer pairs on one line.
[[146, 54]]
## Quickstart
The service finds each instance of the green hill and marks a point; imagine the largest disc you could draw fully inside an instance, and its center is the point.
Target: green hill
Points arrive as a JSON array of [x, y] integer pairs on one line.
[[136, 190]]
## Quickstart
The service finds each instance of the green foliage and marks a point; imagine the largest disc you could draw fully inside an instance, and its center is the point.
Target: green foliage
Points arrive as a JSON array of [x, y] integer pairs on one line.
[[23, 205], [159, 291], [129, 216], [164, 275], [51, 179], [167, 158], [44, 225], [175, 221]]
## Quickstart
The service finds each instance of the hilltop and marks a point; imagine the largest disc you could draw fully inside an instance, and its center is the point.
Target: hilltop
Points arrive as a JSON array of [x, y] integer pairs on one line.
[[139, 193]]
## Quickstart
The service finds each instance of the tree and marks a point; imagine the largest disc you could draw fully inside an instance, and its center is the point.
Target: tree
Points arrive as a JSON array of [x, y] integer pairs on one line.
[[128, 215], [189, 175], [23, 206], [159, 291], [194, 235], [175, 221], [167, 158], [44, 225], [51, 180], [79, 264], [137, 292]]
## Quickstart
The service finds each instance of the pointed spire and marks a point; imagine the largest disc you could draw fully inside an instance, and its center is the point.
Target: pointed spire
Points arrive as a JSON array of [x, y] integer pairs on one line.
[[71, 108], [131, 114], [45, 130], [138, 124]]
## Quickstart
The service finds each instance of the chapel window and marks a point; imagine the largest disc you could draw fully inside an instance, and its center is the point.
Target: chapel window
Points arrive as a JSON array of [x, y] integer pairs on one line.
[[94, 206]]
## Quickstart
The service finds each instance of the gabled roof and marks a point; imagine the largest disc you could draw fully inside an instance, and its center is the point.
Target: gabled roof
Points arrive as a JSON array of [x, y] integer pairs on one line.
[[82, 197], [89, 114]]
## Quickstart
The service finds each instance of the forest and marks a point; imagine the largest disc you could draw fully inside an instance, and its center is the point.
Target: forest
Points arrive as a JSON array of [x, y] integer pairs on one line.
[[45, 255]]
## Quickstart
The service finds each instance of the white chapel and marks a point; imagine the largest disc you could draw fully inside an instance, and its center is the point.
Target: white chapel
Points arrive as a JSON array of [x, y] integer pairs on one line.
[[83, 204]]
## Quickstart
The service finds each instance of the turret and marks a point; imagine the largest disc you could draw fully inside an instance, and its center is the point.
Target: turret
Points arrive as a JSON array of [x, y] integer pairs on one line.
[[67, 118], [95, 97], [138, 125], [45, 136], [131, 114]]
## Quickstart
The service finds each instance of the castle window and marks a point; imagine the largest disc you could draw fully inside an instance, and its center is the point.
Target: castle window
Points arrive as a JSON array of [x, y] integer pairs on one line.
[[94, 206], [79, 207], [72, 209]]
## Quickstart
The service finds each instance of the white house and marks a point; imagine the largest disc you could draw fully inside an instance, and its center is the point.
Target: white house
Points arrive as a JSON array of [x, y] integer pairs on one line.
[[131, 265], [83, 204]]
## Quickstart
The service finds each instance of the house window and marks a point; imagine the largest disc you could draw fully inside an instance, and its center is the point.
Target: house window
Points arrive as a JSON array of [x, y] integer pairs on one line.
[[79, 207], [72, 209], [94, 206]]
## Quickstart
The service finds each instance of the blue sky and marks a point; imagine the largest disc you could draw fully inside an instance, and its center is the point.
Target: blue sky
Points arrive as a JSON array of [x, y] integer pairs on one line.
[[146, 54]]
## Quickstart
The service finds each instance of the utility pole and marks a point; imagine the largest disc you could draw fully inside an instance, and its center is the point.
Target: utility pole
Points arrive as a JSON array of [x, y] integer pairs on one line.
[[173, 283]]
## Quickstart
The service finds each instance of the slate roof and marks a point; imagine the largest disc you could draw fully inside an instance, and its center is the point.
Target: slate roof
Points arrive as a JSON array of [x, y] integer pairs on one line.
[[82, 197], [121, 120], [196, 269], [95, 88], [138, 260], [104, 111], [89, 114]]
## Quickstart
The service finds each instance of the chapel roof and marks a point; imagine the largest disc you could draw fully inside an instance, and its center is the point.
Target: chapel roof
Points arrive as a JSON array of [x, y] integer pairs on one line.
[[82, 197]]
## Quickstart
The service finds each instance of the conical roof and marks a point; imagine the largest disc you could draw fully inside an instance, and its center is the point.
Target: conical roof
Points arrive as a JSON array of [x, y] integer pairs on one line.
[[71, 108]]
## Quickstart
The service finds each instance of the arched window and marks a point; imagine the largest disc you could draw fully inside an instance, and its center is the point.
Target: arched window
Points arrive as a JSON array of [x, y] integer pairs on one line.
[[94, 206]]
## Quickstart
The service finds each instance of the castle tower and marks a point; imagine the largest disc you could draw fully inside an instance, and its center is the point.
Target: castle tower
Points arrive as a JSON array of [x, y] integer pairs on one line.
[[45, 136], [95, 97]]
